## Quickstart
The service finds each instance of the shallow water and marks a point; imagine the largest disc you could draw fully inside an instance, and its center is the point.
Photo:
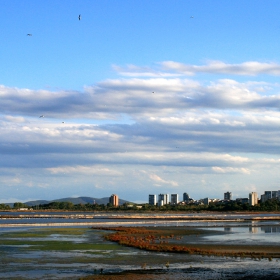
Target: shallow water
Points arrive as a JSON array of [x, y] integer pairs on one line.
[[259, 235], [22, 258]]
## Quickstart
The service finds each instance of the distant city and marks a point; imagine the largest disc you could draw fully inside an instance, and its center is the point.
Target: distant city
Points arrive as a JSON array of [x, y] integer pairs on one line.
[[110, 203], [173, 199]]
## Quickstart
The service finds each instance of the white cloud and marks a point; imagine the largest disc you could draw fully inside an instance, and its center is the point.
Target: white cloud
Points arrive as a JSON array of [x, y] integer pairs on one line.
[[248, 68], [86, 170], [231, 170], [160, 181], [136, 71], [175, 129], [15, 119]]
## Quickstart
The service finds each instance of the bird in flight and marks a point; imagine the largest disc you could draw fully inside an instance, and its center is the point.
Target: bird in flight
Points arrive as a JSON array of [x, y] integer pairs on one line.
[[79, 17], [29, 34], [42, 116]]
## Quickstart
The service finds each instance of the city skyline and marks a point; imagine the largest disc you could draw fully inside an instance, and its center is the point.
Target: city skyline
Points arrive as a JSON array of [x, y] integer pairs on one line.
[[174, 198], [133, 97], [171, 198]]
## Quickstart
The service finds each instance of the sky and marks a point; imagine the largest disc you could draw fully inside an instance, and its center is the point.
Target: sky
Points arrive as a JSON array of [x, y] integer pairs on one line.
[[139, 97]]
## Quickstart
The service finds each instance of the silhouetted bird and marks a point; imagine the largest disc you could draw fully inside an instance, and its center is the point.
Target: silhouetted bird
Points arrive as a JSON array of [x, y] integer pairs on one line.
[[42, 116], [79, 17], [29, 34]]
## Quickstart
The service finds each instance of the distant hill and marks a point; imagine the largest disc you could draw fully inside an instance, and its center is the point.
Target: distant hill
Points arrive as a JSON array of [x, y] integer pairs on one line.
[[74, 200]]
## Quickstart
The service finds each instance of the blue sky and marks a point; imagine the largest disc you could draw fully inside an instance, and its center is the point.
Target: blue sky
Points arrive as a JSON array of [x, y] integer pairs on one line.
[[139, 97]]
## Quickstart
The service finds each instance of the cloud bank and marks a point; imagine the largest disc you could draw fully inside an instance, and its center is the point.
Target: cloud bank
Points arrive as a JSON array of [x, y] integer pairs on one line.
[[151, 128]]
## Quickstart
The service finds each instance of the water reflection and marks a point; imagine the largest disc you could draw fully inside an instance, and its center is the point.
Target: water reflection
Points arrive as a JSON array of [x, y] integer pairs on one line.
[[268, 229], [61, 264], [253, 229], [257, 234]]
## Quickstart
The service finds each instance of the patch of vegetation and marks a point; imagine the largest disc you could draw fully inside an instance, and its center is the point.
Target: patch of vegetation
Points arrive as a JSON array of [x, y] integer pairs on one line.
[[32, 239], [57, 245], [166, 240]]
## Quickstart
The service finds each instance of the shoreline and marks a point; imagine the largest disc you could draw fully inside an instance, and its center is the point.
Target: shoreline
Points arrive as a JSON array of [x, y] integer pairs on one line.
[[159, 222], [134, 219], [169, 239]]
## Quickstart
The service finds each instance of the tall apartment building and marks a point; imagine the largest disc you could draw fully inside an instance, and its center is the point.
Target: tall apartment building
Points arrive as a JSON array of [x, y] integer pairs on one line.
[[114, 200], [162, 199], [174, 199], [274, 194], [186, 197], [228, 196], [270, 195], [152, 199], [253, 198], [267, 194]]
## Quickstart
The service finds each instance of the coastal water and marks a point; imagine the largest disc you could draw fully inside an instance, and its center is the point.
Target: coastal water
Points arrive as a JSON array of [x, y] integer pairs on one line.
[[88, 253]]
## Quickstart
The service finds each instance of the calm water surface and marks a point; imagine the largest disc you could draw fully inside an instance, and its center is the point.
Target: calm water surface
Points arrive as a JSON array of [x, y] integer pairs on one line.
[[23, 262]]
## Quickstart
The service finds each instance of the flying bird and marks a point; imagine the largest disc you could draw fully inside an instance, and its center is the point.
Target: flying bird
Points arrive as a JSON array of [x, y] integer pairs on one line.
[[29, 34], [42, 116], [79, 17]]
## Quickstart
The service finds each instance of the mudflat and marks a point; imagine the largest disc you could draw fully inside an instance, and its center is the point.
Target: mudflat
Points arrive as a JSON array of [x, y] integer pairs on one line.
[[186, 240]]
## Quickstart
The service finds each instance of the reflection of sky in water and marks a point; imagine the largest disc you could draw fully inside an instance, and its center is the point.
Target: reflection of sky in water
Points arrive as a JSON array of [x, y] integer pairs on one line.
[[73, 264], [250, 235]]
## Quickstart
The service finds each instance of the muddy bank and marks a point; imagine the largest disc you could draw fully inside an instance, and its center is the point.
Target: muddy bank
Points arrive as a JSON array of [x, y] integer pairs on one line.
[[185, 240]]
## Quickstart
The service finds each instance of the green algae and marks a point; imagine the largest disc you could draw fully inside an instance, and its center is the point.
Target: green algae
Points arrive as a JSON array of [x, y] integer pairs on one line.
[[43, 240], [55, 245]]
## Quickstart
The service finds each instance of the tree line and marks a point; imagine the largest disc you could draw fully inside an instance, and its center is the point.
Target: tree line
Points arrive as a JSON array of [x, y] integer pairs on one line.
[[269, 205]]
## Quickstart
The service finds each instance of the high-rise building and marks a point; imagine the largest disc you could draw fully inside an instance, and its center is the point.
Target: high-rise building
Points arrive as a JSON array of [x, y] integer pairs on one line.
[[152, 199], [186, 197], [228, 196], [174, 199], [114, 200], [263, 198], [267, 194], [162, 199], [253, 198], [274, 194]]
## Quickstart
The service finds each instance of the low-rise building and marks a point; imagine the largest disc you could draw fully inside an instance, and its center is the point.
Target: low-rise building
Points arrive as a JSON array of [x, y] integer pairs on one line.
[[242, 200]]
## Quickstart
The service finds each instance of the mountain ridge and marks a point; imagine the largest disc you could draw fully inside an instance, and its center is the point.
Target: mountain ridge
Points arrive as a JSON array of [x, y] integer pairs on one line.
[[74, 200]]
